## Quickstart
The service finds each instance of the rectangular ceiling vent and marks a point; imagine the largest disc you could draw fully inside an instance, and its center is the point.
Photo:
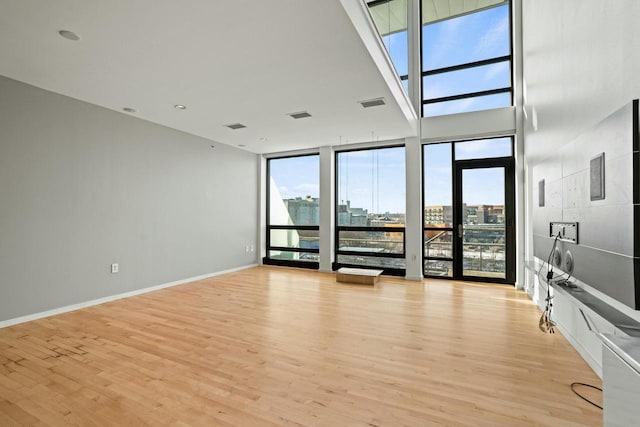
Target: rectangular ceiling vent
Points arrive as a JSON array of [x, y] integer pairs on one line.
[[300, 115], [236, 126], [372, 102]]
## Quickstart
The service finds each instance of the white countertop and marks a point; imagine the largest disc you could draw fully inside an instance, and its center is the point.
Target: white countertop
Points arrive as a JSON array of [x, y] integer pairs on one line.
[[628, 348]]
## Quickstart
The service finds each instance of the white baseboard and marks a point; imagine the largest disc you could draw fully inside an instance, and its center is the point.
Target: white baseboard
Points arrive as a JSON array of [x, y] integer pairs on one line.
[[566, 333], [35, 316], [595, 366]]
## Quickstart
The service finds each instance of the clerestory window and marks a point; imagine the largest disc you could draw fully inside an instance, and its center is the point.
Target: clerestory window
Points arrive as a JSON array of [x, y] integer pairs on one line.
[[466, 56], [390, 18]]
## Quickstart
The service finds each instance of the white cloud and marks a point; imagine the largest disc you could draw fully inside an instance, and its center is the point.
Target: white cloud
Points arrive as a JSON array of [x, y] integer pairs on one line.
[[460, 105], [495, 69], [473, 147], [493, 37], [312, 190], [437, 90]]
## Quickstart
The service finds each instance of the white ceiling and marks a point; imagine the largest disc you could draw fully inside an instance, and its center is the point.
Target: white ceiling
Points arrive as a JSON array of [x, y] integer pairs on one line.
[[391, 16], [228, 61], [437, 10]]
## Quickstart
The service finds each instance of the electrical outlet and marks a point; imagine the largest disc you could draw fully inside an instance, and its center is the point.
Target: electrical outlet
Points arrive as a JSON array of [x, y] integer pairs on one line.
[[115, 268], [246, 248], [252, 248]]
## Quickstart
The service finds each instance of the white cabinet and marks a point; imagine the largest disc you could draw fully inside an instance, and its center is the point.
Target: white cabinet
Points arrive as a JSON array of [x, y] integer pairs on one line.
[[621, 381]]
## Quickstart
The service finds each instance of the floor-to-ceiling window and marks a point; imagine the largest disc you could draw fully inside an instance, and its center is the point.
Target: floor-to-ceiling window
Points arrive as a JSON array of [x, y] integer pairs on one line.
[[465, 65], [370, 209], [466, 56], [293, 214], [469, 212], [438, 210]]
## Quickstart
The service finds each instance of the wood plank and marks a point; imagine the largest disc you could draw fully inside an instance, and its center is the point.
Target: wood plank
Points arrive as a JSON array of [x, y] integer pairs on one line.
[[275, 346]]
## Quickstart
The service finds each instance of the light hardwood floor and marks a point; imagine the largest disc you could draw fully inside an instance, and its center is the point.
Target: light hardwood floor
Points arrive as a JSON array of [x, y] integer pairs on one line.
[[277, 346]]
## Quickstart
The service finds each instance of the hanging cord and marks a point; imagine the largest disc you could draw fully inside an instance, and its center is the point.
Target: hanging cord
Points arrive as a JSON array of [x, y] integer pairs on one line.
[[581, 396], [373, 192], [550, 271], [546, 324]]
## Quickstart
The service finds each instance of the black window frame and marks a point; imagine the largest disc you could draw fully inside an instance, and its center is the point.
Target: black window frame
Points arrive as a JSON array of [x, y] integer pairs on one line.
[[468, 65], [338, 228], [403, 77], [456, 259], [426, 228], [267, 260]]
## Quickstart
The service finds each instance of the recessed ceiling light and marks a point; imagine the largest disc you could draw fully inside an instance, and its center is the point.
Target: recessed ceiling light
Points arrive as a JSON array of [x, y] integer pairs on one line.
[[299, 115], [69, 35], [129, 109], [372, 102], [180, 107], [263, 139], [236, 126]]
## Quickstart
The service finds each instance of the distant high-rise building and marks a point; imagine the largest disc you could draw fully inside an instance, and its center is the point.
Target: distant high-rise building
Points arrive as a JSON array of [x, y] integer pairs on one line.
[[438, 215], [486, 214], [304, 211], [352, 216]]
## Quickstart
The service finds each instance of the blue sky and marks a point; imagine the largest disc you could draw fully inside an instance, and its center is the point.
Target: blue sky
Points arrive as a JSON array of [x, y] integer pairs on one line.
[[456, 41], [486, 188], [296, 176], [468, 38], [375, 180]]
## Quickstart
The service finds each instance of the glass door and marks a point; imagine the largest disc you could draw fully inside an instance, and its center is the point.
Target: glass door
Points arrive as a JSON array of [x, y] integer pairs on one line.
[[484, 220]]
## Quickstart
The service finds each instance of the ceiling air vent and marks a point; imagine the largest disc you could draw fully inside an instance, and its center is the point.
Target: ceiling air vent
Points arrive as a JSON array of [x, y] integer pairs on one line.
[[300, 115], [236, 126], [372, 102]]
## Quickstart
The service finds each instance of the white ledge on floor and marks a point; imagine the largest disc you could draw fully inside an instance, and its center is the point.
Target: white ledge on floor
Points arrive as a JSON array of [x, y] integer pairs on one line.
[[361, 276]]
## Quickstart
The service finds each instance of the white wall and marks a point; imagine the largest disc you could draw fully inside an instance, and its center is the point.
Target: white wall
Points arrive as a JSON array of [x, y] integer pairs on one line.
[[82, 187], [476, 124], [581, 64], [581, 59]]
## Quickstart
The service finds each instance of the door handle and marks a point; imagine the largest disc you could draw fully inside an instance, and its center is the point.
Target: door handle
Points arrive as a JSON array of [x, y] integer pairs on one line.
[[460, 231]]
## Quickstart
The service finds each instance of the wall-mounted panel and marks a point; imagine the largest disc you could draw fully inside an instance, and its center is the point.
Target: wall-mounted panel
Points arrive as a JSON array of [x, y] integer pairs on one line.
[[606, 253]]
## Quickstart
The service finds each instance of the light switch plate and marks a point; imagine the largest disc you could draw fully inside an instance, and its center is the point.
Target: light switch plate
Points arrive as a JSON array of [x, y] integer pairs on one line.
[[568, 231]]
